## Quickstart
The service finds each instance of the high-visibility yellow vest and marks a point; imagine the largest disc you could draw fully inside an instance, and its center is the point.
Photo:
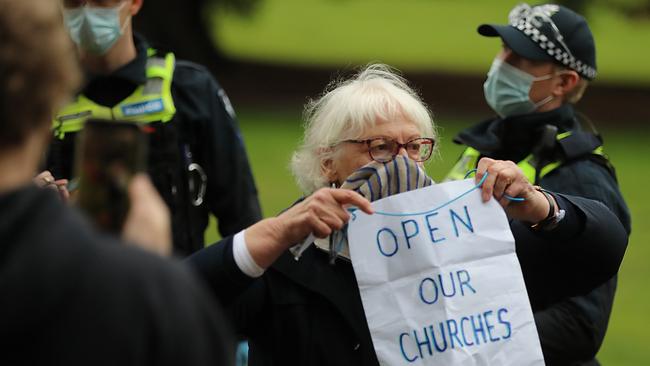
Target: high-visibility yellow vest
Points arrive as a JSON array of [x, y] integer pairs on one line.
[[469, 159], [150, 102]]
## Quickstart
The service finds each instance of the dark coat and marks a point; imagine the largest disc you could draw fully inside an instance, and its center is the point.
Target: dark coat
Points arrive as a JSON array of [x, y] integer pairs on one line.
[[571, 330], [71, 296], [308, 312]]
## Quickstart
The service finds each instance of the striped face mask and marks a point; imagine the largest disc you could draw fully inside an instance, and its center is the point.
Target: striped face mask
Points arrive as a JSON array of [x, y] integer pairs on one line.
[[375, 181]]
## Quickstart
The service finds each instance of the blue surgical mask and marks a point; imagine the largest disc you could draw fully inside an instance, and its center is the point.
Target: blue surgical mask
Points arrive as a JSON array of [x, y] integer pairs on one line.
[[95, 29], [507, 89]]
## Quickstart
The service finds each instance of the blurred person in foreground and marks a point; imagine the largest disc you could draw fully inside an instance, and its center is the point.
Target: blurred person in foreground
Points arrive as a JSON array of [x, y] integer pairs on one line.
[[547, 60], [71, 296], [364, 131], [197, 159]]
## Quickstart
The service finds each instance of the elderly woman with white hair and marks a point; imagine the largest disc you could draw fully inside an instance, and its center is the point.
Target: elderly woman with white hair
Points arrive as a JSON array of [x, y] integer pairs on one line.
[[366, 138]]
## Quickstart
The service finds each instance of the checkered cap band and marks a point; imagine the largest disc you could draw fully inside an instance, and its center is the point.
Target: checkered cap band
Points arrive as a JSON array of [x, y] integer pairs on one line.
[[553, 50]]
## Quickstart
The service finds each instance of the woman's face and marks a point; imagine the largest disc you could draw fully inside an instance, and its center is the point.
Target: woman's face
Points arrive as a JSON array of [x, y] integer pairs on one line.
[[352, 156]]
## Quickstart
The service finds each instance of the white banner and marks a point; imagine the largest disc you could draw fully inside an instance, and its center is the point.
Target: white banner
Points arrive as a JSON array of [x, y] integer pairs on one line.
[[440, 281]]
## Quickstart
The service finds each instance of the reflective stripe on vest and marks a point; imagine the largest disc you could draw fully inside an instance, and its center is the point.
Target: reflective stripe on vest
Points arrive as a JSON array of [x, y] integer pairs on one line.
[[151, 102], [469, 160], [464, 165]]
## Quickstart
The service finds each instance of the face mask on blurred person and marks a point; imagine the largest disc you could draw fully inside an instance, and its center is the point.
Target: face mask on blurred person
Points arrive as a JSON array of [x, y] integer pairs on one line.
[[507, 89], [95, 29]]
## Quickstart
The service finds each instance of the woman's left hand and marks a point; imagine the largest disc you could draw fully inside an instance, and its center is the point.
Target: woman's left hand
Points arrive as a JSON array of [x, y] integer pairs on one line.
[[320, 213], [506, 178]]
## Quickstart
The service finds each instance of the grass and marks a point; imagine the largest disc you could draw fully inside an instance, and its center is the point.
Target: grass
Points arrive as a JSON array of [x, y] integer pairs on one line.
[[272, 136], [410, 34], [625, 340]]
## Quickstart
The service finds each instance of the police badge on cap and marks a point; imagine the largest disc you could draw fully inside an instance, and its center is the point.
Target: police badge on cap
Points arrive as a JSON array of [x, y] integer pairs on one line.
[[548, 33]]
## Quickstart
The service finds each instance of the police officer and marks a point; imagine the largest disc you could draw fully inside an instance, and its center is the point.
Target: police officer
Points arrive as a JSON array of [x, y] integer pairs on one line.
[[547, 59], [196, 154]]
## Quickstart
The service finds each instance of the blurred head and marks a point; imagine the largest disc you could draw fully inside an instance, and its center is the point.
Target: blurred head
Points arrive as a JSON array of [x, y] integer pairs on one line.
[[547, 59], [370, 116], [38, 70], [96, 26]]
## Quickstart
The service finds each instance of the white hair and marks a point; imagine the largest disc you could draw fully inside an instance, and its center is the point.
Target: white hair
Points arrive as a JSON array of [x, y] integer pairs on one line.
[[349, 108]]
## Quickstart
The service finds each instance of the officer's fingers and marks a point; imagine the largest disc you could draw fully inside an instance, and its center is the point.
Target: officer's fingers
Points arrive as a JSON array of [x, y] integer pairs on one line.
[[44, 174], [63, 193], [51, 187], [61, 182], [43, 179]]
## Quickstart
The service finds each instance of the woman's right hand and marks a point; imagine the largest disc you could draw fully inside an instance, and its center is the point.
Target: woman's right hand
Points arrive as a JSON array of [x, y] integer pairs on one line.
[[321, 213], [506, 178]]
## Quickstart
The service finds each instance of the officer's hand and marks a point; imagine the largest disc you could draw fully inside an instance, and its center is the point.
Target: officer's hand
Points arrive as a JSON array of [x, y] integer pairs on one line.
[[506, 178], [45, 179], [148, 224]]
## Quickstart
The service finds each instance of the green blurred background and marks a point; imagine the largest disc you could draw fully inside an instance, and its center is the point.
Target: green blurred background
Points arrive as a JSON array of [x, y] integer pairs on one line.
[[439, 36], [417, 34]]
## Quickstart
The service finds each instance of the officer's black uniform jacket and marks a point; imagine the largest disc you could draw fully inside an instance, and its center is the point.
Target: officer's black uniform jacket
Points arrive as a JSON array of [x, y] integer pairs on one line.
[[205, 121], [572, 330], [71, 296], [309, 312]]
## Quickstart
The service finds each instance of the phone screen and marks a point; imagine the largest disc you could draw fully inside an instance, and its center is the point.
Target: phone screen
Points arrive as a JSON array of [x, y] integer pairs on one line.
[[108, 154]]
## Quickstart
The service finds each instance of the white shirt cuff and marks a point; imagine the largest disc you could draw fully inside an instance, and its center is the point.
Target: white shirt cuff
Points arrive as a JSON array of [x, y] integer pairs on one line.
[[243, 258]]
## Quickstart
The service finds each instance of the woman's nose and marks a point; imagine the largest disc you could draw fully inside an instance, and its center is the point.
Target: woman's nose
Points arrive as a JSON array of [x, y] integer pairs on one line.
[[402, 151]]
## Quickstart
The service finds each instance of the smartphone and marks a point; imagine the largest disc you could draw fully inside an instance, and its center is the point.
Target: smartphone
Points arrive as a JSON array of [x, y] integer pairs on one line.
[[107, 156]]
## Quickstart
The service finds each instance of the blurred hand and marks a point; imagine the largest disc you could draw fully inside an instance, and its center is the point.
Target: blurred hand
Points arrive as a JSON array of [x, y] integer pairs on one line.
[[506, 178], [148, 223], [321, 213], [45, 179]]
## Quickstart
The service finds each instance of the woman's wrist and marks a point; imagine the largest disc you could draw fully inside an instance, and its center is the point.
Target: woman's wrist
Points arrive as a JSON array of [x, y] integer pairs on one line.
[[243, 257], [264, 241], [553, 215], [538, 208]]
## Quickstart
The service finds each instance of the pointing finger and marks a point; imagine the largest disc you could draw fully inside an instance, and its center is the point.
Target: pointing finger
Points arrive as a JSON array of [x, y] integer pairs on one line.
[[348, 197]]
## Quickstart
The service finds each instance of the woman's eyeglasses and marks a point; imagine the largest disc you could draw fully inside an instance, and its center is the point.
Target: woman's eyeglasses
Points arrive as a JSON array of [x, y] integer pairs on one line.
[[384, 150]]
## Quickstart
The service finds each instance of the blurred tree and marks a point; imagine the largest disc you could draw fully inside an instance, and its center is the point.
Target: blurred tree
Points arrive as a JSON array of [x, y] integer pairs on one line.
[[185, 27], [633, 9], [579, 6]]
